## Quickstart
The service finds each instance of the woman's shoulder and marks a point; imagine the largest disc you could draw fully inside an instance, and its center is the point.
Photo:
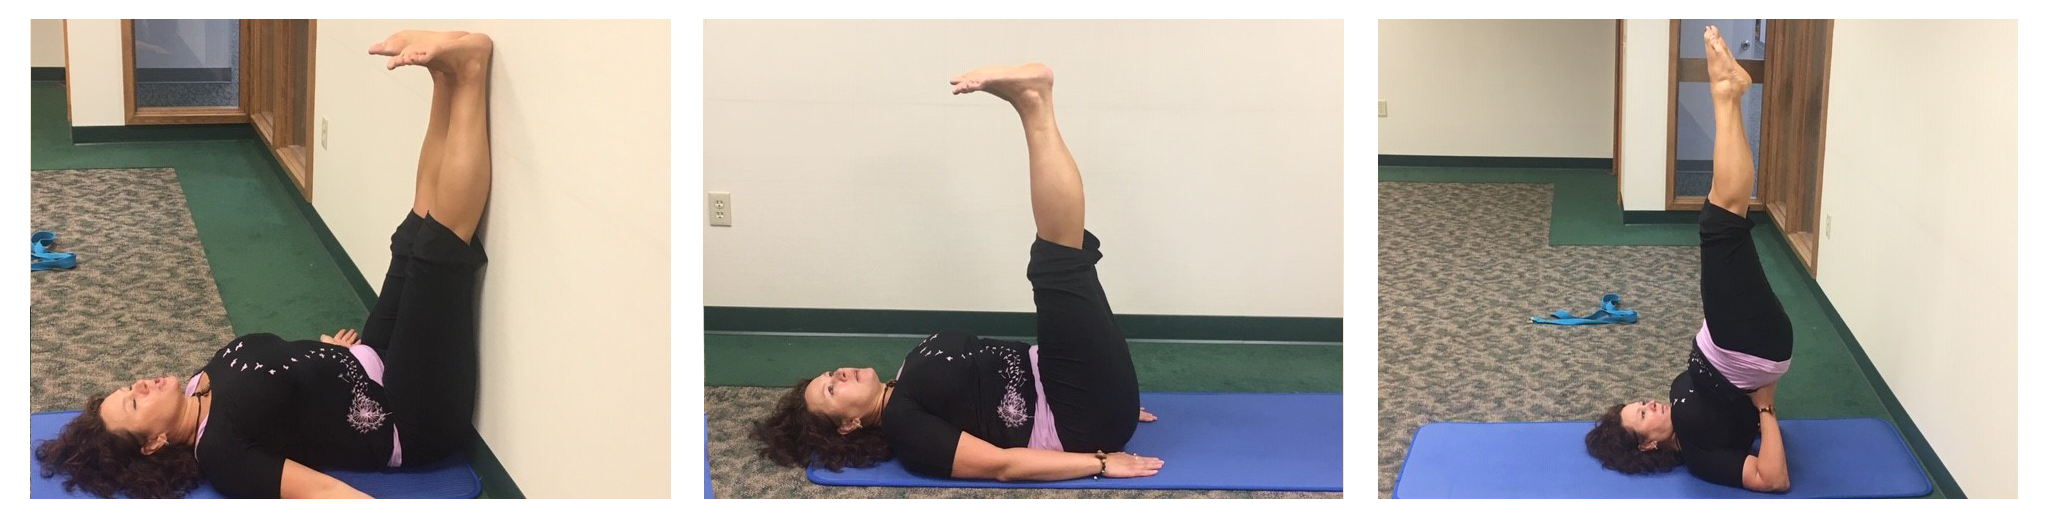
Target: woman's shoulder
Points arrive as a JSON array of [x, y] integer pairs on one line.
[[257, 337], [245, 340]]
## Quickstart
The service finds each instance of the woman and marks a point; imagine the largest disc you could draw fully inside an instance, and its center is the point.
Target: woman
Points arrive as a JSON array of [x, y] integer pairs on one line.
[[1727, 395], [962, 406], [264, 414]]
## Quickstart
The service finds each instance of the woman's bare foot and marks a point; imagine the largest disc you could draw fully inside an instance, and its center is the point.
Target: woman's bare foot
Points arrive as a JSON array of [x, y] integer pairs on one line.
[[1729, 80], [398, 41], [1011, 83], [462, 56]]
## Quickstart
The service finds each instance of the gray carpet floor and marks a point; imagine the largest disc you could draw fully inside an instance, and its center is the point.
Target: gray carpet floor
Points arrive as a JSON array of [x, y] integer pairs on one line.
[[142, 301], [737, 471], [1461, 268]]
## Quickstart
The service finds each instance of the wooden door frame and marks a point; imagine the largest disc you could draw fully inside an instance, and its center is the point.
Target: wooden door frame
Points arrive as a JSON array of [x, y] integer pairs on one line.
[[269, 100], [1771, 184], [1803, 241], [1619, 107], [295, 157], [135, 116]]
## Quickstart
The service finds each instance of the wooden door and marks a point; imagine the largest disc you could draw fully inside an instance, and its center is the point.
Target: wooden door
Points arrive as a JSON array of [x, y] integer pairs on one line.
[[1792, 170], [278, 56]]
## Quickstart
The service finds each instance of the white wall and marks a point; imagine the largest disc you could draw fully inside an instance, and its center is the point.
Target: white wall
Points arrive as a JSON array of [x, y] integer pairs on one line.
[[46, 43], [1528, 88], [1644, 116], [1920, 186], [1212, 153], [94, 73], [575, 308]]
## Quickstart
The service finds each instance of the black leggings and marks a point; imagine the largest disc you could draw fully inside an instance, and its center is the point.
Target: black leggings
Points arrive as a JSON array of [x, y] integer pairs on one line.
[[424, 327], [1082, 358], [1740, 308]]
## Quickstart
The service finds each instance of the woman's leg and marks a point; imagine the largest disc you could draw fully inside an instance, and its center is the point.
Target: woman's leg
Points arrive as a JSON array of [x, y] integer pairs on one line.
[[1083, 359], [376, 330], [430, 369], [1732, 160], [1740, 308], [1057, 197], [462, 185]]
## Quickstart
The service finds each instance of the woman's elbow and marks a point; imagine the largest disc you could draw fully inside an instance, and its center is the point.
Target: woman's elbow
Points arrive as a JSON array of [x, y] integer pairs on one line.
[[1004, 472], [1773, 486]]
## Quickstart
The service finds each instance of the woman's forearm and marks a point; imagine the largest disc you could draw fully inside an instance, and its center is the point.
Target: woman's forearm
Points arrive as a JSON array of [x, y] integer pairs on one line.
[[1041, 465], [1772, 463]]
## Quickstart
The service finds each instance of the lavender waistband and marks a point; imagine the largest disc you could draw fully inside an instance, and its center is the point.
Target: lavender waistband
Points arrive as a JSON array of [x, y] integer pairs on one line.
[[372, 366], [1044, 433], [1747, 372]]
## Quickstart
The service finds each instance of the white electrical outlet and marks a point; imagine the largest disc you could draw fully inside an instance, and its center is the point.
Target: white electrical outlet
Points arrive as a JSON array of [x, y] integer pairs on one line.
[[1383, 111], [720, 208], [1828, 226], [323, 132]]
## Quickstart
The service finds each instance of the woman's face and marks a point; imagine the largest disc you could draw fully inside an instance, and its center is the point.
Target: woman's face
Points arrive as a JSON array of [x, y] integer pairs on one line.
[[145, 409], [1649, 418], [845, 394]]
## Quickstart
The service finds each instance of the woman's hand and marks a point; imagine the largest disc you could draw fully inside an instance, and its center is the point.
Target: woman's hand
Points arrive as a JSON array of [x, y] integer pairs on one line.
[[1763, 396], [1143, 415], [1125, 465], [343, 338]]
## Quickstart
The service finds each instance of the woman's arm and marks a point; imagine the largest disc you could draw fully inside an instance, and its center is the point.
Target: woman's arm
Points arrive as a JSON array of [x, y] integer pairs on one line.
[[977, 459], [300, 482], [1768, 471]]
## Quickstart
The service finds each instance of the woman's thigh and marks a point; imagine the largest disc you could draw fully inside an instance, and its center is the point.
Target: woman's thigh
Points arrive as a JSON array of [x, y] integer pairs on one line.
[[1740, 307], [1083, 359]]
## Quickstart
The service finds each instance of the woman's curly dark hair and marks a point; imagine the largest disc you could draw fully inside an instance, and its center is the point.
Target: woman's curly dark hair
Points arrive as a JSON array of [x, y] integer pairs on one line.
[[103, 461], [792, 436], [1618, 448]]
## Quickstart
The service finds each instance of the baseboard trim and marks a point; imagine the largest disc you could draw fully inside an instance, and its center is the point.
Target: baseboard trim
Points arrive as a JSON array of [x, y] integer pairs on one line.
[[1948, 486], [1658, 217], [1515, 162], [46, 73], [162, 133], [1134, 326]]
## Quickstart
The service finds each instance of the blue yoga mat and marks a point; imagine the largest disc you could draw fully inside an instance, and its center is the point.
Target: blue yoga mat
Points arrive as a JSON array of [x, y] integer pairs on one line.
[[1209, 441], [1828, 458], [450, 478]]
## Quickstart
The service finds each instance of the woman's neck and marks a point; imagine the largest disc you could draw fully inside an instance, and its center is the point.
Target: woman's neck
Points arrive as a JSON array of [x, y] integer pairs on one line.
[[194, 409], [886, 392]]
